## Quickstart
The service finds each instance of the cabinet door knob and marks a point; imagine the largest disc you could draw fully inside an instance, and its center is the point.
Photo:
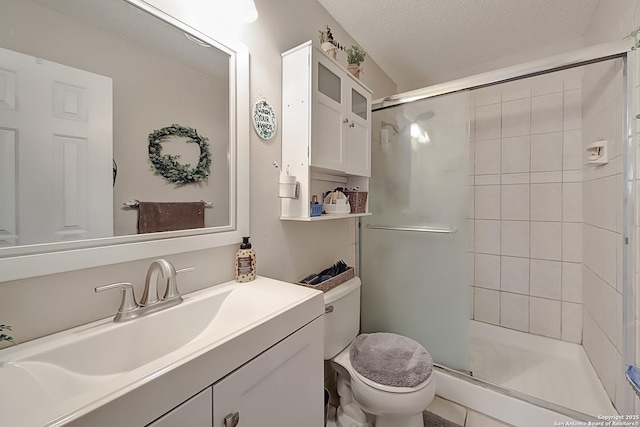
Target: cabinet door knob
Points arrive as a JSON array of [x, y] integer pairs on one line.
[[345, 121], [232, 420], [352, 125]]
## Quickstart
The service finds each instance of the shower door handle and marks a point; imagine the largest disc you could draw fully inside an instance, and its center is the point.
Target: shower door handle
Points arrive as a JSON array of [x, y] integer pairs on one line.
[[444, 230]]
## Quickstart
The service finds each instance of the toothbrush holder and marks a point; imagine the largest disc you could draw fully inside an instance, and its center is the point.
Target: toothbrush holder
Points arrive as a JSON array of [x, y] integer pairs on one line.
[[288, 187]]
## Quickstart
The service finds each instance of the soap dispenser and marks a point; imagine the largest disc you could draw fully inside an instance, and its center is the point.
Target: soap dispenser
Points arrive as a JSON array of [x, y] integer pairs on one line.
[[245, 262]]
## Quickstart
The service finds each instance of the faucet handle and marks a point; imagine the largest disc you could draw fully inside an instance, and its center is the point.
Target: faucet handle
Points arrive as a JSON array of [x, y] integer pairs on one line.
[[172, 284], [128, 303]]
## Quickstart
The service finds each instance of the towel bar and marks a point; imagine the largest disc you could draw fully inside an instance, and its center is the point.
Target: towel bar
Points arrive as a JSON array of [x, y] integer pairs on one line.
[[134, 204]]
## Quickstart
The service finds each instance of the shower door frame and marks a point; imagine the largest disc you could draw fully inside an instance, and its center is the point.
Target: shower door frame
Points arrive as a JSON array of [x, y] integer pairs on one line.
[[604, 52]]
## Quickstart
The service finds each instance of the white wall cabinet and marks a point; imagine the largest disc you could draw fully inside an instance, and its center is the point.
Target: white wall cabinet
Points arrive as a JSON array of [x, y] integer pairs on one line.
[[281, 387], [326, 128], [339, 118]]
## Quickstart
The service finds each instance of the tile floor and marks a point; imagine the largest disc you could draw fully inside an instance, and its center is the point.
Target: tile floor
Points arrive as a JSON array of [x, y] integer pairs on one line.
[[452, 412], [461, 415]]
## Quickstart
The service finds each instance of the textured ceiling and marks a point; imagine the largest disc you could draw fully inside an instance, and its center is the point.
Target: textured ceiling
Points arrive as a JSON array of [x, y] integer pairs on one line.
[[417, 41]]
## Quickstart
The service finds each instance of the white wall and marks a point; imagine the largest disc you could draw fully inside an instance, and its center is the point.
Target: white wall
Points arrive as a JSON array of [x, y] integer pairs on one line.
[[526, 205], [613, 19], [595, 293], [290, 250], [601, 293], [285, 250], [602, 273]]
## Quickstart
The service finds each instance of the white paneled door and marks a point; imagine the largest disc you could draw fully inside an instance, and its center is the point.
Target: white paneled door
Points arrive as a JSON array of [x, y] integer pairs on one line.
[[56, 138]]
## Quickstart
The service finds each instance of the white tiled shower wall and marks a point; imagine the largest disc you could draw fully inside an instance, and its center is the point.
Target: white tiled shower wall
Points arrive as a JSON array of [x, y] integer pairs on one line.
[[526, 214], [546, 247], [602, 238]]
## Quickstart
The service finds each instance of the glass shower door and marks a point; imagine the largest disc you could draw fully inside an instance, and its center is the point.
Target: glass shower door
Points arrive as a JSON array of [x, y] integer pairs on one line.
[[414, 260]]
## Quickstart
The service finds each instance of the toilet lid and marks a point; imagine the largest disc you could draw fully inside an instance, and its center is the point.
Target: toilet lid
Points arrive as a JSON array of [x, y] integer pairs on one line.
[[390, 359]]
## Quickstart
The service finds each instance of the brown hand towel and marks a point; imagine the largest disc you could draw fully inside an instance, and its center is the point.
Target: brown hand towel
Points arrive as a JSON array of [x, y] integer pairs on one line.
[[169, 216]]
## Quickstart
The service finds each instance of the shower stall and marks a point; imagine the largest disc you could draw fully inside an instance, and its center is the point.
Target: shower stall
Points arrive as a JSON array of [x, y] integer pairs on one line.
[[502, 230]]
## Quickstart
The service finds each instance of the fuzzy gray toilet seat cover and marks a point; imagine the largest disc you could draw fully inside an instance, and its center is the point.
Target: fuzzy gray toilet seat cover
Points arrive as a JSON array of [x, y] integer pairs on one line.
[[390, 359]]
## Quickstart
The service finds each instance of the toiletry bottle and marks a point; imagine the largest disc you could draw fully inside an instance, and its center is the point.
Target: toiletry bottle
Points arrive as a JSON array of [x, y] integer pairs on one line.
[[245, 262]]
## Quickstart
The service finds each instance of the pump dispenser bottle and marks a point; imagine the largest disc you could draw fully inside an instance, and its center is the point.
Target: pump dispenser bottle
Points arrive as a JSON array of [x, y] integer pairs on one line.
[[245, 262]]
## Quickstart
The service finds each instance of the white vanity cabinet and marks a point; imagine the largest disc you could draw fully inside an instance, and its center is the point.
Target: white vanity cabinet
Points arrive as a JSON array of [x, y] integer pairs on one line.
[[253, 348], [195, 412], [326, 128], [280, 387]]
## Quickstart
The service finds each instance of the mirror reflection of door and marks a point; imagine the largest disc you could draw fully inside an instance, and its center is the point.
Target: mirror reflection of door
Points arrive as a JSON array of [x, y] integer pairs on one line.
[[56, 143]]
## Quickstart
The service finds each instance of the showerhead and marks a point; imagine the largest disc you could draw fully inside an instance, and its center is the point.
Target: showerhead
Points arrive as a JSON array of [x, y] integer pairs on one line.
[[419, 119], [390, 125], [423, 117], [416, 127]]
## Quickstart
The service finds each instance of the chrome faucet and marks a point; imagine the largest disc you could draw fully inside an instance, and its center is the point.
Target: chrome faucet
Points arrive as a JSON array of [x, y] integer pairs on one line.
[[157, 268], [150, 302]]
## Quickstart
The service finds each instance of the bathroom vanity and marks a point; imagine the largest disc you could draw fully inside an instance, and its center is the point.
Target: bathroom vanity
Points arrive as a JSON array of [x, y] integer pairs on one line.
[[254, 349], [251, 352]]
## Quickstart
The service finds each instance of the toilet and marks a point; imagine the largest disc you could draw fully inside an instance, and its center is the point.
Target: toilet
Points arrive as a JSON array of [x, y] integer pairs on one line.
[[383, 380]]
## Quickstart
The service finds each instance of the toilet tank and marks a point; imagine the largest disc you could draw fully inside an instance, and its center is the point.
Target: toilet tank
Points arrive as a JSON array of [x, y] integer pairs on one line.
[[341, 317]]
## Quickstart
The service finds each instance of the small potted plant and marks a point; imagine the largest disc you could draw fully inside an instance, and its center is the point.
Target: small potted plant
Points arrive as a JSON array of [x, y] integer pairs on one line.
[[355, 57], [327, 42]]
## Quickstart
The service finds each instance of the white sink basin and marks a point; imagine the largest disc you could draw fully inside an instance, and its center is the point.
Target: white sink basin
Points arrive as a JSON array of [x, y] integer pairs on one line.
[[72, 372], [121, 347]]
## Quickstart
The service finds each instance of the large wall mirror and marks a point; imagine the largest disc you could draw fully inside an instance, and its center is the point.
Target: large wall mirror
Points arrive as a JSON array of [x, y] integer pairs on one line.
[[84, 84]]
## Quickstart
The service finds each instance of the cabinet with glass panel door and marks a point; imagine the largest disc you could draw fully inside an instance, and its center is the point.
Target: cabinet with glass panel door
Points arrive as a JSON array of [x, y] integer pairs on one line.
[[326, 129]]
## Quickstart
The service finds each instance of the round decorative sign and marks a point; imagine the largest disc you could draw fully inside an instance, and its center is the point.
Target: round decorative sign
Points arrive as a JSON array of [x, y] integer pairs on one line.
[[264, 119], [168, 166]]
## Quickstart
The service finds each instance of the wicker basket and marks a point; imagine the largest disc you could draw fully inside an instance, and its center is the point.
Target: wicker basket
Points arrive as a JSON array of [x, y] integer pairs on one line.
[[357, 200], [327, 285]]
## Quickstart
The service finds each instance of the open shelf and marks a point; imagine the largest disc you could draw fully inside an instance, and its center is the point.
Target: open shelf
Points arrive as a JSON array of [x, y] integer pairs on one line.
[[323, 217]]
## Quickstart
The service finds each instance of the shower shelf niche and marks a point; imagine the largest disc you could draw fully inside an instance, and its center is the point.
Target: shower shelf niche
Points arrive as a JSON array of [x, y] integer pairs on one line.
[[326, 129]]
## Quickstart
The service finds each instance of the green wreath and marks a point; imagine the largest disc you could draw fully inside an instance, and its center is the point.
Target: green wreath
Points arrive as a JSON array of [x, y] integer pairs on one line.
[[168, 166]]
